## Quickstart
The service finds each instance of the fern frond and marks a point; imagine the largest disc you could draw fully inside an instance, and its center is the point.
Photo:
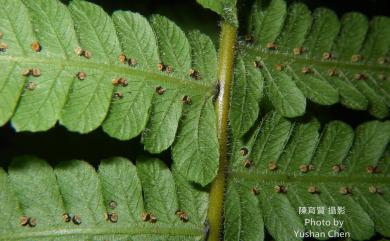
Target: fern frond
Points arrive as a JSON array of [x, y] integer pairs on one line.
[[73, 201], [283, 165], [79, 66], [316, 56]]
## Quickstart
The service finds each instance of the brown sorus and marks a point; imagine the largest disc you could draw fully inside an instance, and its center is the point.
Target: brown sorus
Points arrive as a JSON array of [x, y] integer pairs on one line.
[[182, 215], [82, 52], [161, 66], [271, 46], [26, 72], [345, 190], [247, 163], [244, 151], [257, 64], [306, 70], [122, 58], [280, 189], [66, 217], [112, 204], [3, 47], [145, 216], [298, 51], [279, 67], [113, 217], [186, 100], [76, 219], [326, 55], [79, 51], [169, 69], [153, 218], [132, 62], [36, 72], [338, 168], [81, 75], [87, 54], [31, 86], [272, 166], [123, 82], [255, 191], [332, 72], [36, 46], [359, 77], [304, 168], [160, 90], [194, 74], [24, 220], [115, 82], [312, 189], [32, 222], [372, 189], [356, 58], [118, 94], [372, 169]]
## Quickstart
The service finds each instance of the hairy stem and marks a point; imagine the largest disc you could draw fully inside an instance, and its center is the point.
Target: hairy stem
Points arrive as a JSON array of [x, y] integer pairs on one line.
[[225, 72]]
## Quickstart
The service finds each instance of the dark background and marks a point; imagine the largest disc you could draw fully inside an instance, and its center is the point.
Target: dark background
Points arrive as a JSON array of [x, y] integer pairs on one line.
[[59, 144]]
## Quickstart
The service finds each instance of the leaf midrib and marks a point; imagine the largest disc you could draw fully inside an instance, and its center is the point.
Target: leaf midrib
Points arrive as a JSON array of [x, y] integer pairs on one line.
[[185, 85], [305, 60], [317, 178], [132, 229]]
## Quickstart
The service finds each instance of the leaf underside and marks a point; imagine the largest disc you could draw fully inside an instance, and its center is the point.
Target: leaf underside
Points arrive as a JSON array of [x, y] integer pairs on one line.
[[316, 56], [36, 102], [298, 156], [33, 189]]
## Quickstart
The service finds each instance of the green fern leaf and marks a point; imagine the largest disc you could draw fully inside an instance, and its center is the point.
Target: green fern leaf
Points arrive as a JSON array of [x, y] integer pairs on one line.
[[319, 57], [286, 165], [242, 206], [73, 201], [247, 91], [80, 53], [204, 56], [193, 142]]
